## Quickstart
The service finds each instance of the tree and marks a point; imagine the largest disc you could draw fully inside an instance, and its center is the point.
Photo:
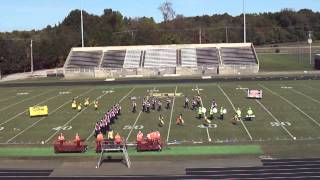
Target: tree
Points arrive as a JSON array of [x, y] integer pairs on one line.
[[167, 11]]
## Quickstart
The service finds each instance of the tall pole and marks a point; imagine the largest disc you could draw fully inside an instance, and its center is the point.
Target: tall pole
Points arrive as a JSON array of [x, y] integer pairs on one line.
[[310, 53], [244, 22], [82, 42], [31, 57], [200, 35], [310, 45], [227, 34]]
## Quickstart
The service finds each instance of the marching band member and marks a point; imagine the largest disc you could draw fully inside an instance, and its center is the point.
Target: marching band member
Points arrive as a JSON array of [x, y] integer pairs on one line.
[[235, 119], [157, 136], [238, 112], [194, 104], [153, 103], [213, 104], [134, 106], [161, 122], [139, 136], [110, 135], [96, 104], [97, 129], [148, 106], [77, 139], [86, 102], [99, 138], [213, 110], [199, 112], [74, 104], [61, 138], [159, 105], [223, 111], [143, 106], [79, 107], [249, 114], [168, 102], [179, 120], [117, 139], [186, 102]]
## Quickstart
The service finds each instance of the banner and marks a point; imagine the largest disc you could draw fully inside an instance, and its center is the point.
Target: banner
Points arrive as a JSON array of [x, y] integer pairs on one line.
[[38, 111], [254, 93]]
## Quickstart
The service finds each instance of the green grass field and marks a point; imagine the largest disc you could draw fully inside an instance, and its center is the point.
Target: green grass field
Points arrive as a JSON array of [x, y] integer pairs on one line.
[[288, 113], [284, 62]]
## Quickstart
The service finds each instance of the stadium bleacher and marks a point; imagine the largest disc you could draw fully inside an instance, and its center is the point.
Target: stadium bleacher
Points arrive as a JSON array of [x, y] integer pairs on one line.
[[160, 58], [234, 55], [184, 59], [207, 57], [188, 57], [83, 59], [132, 59], [113, 59]]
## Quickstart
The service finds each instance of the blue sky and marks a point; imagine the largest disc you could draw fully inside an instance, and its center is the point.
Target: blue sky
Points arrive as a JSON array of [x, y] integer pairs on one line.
[[37, 14]]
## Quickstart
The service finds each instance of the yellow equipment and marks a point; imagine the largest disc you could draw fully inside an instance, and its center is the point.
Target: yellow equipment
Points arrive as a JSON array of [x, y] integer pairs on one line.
[[38, 111]]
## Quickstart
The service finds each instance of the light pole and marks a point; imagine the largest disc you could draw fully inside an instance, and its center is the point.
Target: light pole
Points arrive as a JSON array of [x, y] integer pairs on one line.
[[244, 22], [82, 42], [200, 36], [31, 57], [310, 45]]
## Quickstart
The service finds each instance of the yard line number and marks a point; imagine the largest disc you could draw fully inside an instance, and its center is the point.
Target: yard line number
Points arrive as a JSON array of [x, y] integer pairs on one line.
[[276, 124], [209, 126], [62, 128], [128, 127]]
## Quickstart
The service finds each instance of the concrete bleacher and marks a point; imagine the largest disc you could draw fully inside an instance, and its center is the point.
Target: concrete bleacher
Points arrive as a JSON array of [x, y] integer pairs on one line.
[[235, 56], [188, 57], [207, 57], [160, 58], [132, 58], [83, 59], [113, 59]]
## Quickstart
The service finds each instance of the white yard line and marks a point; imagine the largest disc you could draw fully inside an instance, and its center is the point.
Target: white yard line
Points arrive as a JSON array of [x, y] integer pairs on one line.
[[309, 97], [56, 132], [12, 118], [123, 98], [209, 138], [7, 107], [276, 119], [289, 102], [135, 122], [127, 94], [244, 126], [171, 113], [32, 125], [207, 129]]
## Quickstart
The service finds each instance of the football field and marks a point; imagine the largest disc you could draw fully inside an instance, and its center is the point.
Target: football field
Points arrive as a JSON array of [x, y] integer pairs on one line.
[[289, 111]]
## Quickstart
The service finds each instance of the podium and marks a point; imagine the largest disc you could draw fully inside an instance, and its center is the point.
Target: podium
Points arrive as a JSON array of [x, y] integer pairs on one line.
[[109, 147]]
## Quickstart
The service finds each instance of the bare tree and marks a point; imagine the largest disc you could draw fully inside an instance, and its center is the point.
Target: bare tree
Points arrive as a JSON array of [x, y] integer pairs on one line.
[[167, 11]]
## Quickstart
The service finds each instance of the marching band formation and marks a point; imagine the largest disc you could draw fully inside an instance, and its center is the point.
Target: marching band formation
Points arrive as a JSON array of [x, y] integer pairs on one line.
[[102, 127]]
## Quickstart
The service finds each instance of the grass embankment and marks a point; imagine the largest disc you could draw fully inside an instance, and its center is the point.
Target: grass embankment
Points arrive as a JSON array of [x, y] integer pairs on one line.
[[284, 62]]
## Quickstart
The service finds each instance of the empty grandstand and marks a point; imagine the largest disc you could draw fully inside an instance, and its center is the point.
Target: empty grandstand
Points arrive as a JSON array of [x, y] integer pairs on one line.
[[187, 59]]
